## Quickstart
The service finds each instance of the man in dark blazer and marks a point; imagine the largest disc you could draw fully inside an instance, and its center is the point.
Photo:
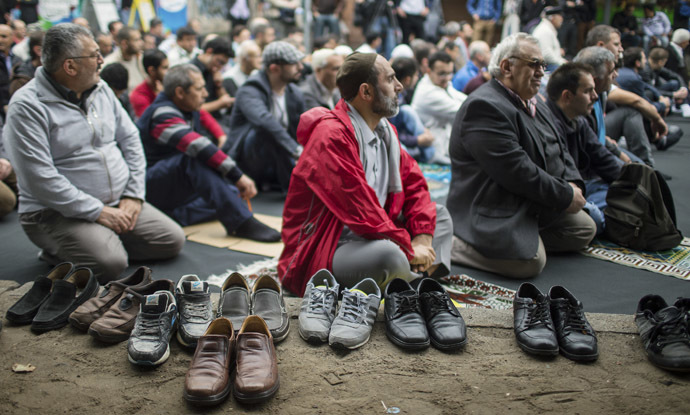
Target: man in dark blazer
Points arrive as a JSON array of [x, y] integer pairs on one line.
[[515, 192]]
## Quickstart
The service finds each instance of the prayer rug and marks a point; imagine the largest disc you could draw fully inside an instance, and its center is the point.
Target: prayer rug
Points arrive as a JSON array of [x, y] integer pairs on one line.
[[465, 291], [438, 179], [674, 262]]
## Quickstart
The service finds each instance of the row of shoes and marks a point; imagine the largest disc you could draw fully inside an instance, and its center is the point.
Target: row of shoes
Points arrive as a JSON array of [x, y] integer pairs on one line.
[[248, 356], [52, 298], [548, 324], [665, 331], [414, 318]]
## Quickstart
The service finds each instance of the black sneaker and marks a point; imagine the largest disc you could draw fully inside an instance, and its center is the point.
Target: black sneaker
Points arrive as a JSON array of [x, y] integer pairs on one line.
[[664, 332], [195, 309], [149, 343]]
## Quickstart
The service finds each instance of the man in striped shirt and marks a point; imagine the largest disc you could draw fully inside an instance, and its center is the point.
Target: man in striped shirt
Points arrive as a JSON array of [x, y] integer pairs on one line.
[[188, 176]]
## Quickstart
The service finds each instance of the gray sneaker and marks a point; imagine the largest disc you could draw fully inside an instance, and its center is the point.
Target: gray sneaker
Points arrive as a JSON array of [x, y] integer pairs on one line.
[[149, 343], [195, 308], [318, 307], [352, 326]]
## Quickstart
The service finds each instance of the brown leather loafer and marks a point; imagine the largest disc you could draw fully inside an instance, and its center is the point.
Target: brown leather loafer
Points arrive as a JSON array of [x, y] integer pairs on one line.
[[208, 379], [94, 309], [117, 323], [257, 368]]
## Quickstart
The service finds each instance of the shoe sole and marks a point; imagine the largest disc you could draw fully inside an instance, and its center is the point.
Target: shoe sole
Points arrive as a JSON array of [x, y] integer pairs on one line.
[[107, 339], [148, 362], [580, 357], [79, 325], [669, 368], [312, 338], [184, 343], [341, 346], [208, 400], [281, 337], [42, 328], [539, 352], [407, 345], [20, 320], [259, 397], [448, 347]]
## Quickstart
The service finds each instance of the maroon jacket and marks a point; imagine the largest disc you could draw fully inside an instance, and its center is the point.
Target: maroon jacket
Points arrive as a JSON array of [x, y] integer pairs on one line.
[[328, 189]]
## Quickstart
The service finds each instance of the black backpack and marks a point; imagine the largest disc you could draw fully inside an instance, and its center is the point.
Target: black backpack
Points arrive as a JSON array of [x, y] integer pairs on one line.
[[640, 213]]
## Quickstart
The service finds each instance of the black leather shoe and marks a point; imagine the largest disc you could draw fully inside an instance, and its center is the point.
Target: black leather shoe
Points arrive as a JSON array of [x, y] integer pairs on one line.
[[25, 309], [235, 300], [65, 297], [405, 325], [268, 303], [576, 338], [533, 326], [671, 139], [664, 332], [446, 327]]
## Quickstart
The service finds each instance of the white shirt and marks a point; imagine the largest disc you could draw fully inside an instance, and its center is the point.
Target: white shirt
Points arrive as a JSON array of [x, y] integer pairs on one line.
[[547, 35]]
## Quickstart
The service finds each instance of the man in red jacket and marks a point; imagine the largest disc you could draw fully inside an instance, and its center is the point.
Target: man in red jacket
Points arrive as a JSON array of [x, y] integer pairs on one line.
[[358, 205]]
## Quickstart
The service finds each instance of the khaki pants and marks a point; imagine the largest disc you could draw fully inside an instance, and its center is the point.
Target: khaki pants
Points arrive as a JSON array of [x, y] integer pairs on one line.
[[484, 30], [90, 244], [571, 232], [8, 194]]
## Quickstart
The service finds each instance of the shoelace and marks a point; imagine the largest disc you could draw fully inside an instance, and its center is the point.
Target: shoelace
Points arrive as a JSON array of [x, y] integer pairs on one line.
[[539, 314], [671, 330], [406, 304], [149, 327], [321, 300], [196, 310], [575, 319], [437, 303], [352, 307]]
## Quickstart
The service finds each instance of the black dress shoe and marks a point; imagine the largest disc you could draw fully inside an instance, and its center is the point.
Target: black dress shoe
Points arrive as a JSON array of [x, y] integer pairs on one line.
[[446, 327], [665, 333], [405, 326], [24, 310], [576, 338], [64, 298], [533, 326]]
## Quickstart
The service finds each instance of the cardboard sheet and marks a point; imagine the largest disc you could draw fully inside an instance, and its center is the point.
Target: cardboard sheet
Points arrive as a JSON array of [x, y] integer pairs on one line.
[[213, 234]]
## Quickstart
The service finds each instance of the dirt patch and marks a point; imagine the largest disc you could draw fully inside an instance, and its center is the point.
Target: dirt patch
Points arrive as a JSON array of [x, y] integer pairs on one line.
[[75, 374]]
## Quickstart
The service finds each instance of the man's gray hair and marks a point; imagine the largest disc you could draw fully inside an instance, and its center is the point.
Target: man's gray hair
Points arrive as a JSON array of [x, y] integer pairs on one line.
[[245, 47], [451, 28], [477, 47], [508, 47], [319, 59], [178, 75], [596, 57], [61, 42]]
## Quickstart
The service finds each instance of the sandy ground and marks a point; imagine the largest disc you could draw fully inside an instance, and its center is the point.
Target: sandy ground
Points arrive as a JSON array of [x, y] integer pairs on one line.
[[76, 375]]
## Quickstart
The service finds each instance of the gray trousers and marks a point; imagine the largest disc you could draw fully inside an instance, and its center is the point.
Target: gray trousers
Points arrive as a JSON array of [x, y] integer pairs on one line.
[[628, 122], [90, 244], [571, 232], [382, 260]]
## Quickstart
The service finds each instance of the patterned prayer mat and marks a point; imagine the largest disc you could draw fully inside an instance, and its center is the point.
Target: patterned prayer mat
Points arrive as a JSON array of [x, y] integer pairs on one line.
[[437, 178], [465, 291], [674, 262]]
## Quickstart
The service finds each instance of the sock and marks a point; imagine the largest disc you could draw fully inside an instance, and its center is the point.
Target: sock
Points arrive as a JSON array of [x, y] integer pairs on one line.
[[257, 231]]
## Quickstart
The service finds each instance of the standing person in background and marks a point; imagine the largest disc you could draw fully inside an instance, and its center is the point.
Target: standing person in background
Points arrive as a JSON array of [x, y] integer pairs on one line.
[[412, 15], [586, 13], [511, 17], [485, 14], [530, 14], [327, 15]]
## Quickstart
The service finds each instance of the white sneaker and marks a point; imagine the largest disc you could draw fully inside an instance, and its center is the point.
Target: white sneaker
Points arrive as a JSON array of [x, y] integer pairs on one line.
[[685, 108]]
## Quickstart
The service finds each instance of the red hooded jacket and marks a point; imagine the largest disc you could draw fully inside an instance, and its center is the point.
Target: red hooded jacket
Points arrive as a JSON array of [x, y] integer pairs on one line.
[[328, 189]]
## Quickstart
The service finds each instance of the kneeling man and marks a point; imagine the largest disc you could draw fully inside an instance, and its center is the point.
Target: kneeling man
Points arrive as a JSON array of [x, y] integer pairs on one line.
[[358, 205], [188, 177], [515, 192]]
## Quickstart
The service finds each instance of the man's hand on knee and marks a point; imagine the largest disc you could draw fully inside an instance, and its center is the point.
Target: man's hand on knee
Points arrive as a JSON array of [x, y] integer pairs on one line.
[[578, 201], [132, 207], [424, 254], [114, 218]]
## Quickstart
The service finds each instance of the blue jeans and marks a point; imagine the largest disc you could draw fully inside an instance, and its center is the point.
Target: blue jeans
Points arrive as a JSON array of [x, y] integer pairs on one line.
[[408, 121], [326, 20], [596, 190], [191, 192], [384, 27]]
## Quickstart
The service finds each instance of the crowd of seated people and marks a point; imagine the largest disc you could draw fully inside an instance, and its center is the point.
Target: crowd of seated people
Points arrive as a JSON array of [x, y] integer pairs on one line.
[[194, 126]]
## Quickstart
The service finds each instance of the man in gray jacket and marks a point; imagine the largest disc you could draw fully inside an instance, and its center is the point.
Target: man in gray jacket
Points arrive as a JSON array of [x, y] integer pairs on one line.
[[80, 164]]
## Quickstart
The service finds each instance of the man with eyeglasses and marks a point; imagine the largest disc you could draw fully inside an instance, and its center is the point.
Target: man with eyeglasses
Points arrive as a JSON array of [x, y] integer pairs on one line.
[[515, 192], [437, 102], [80, 164]]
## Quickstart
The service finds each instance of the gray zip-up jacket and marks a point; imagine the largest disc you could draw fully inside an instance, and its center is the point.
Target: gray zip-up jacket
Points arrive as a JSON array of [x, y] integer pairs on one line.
[[72, 161]]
